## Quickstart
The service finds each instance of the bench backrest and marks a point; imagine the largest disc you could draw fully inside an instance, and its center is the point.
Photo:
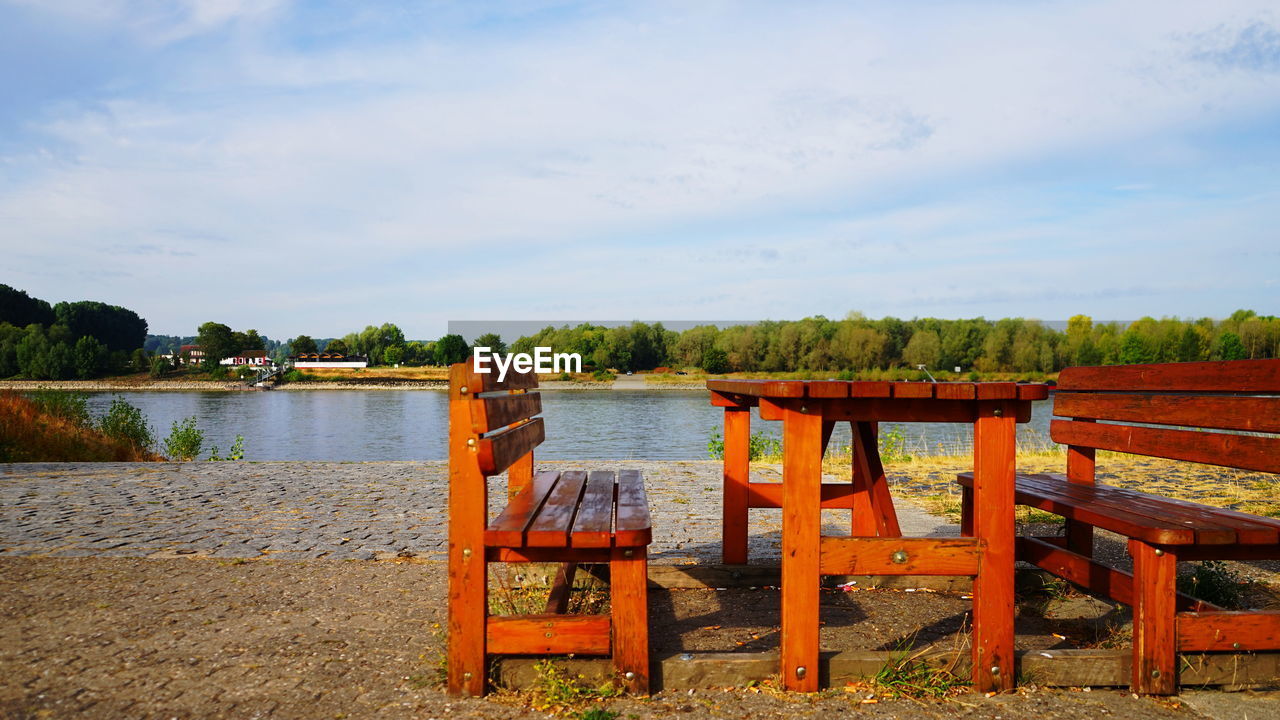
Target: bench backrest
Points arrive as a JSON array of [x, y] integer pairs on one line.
[[1218, 413], [493, 426]]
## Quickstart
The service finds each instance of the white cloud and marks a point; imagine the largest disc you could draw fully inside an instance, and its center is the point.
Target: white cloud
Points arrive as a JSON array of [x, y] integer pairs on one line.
[[390, 169]]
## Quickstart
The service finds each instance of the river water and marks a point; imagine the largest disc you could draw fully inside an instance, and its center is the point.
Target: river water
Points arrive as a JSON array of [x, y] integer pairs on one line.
[[362, 425]]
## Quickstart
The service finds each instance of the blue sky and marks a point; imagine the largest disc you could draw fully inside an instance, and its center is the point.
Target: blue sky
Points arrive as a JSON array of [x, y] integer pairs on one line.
[[317, 167]]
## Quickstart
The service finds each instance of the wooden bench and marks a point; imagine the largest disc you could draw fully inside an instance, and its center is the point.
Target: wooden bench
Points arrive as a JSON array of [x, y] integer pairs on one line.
[[1216, 413], [566, 517]]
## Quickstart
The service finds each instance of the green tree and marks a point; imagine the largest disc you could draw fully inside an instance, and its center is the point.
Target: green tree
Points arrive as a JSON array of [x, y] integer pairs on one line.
[[90, 357], [493, 341], [1229, 347], [337, 346], [451, 349], [217, 341], [1134, 348], [116, 327], [20, 310], [393, 355], [924, 348], [715, 361], [303, 344]]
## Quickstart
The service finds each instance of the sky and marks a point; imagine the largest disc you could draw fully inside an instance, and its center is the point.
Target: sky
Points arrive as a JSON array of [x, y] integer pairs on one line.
[[316, 167]]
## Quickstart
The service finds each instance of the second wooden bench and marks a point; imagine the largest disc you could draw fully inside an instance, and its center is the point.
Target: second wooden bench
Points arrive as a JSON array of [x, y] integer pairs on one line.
[[565, 517], [1217, 413]]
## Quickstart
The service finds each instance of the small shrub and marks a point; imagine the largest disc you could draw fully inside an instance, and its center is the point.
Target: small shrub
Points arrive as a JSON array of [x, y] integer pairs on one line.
[[557, 689], [761, 445], [565, 377], [126, 423], [603, 376], [912, 677], [159, 366], [185, 440], [236, 453], [893, 445], [1213, 581], [70, 406]]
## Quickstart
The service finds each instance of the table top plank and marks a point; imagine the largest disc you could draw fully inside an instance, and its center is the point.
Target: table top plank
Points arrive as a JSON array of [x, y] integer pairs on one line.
[[839, 389]]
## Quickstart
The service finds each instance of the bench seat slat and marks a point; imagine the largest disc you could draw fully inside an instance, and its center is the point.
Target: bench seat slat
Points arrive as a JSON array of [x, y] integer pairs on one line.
[[508, 529], [555, 519], [1250, 414], [1151, 518], [1122, 521], [634, 526], [594, 524], [1245, 452], [1212, 525]]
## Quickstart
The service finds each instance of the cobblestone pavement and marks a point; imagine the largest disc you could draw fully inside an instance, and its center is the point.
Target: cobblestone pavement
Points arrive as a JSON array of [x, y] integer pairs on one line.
[[303, 510]]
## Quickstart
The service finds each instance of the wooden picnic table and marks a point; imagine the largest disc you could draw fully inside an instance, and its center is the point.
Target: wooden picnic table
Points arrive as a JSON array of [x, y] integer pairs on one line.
[[809, 411]]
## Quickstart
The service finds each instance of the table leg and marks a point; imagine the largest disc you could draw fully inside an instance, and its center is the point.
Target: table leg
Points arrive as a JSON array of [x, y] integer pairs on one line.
[[873, 511], [994, 463], [801, 532], [737, 468]]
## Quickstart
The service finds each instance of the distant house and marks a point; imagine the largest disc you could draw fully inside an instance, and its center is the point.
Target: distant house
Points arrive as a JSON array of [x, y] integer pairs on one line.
[[190, 355], [256, 358], [329, 360]]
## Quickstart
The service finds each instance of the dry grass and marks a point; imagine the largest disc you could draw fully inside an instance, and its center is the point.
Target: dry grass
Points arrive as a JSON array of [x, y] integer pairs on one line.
[[391, 373], [30, 434]]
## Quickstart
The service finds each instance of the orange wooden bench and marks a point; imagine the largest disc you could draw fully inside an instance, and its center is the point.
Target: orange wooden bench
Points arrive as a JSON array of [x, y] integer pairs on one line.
[[1216, 413], [566, 517]]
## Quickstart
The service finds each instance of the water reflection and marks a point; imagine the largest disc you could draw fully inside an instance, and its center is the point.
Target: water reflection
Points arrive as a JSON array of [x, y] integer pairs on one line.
[[360, 425]]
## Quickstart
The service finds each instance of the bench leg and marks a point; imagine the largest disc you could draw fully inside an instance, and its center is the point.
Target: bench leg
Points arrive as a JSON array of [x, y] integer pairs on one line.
[[737, 468], [468, 608], [966, 511], [629, 600], [1154, 607]]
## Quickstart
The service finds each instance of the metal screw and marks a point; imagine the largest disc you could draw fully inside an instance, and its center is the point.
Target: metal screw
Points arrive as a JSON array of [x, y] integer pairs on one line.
[[800, 671], [803, 409], [998, 412], [630, 676], [471, 442], [899, 557], [1155, 673], [462, 390], [995, 669], [628, 553], [1235, 646], [466, 552], [466, 676], [548, 634], [1159, 552]]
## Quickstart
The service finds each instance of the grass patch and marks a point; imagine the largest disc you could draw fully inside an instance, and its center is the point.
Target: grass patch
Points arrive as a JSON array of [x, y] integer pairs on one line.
[[45, 430], [558, 690], [1213, 581]]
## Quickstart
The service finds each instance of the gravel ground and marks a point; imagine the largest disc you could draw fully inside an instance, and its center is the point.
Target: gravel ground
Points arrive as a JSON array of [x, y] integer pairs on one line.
[[315, 590], [207, 638]]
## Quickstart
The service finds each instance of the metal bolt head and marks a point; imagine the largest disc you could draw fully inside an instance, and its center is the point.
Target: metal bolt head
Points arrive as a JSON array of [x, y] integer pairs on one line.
[[998, 412], [462, 390], [1235, 646], [466, 676], [900, 557], [801, 671], [1159, 552], [466, 552], [1155, 673], [630, 675], [471, 442], [628, 553], [995, 669], [549, 634]]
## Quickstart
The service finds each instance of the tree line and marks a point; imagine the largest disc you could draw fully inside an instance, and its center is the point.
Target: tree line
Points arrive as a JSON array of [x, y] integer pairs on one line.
[[857, 343], [84, 339]]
